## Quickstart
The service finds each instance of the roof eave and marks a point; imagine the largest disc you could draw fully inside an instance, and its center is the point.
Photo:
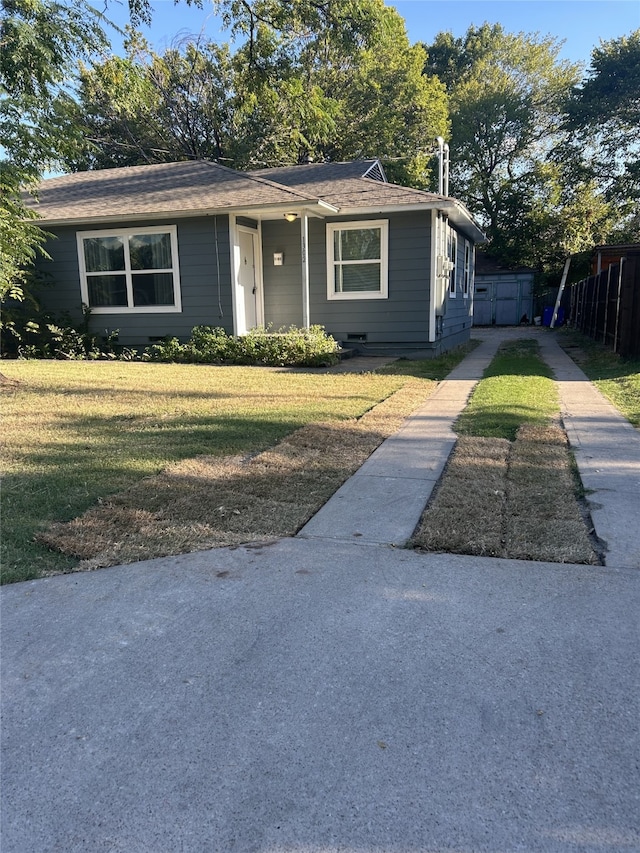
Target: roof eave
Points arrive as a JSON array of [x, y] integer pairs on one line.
[[317, 208], [456, 211]]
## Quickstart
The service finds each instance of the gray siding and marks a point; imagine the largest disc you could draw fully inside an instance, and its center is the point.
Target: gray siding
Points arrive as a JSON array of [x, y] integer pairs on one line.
[[282, 285], [205, 300], [458, 315], [398, 323]]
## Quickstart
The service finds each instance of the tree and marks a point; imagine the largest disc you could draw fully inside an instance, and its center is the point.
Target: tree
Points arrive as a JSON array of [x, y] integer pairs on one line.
[[603, 118], [281, 98], [150, 108], [546, 160], [388, 107], [39, 41], [198, 101], [507, 94]]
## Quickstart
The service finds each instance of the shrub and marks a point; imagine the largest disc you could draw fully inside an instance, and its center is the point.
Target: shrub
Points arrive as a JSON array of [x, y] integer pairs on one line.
[[35, 334], [49, 337], [294, 347]]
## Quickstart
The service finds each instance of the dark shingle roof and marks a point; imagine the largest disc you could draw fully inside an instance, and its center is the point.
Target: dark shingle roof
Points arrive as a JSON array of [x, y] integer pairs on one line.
[[158, 189], [344, 185], [197, 187]]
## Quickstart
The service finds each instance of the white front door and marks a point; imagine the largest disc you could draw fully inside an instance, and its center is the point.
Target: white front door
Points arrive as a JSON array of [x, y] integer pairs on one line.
[[247, 281]]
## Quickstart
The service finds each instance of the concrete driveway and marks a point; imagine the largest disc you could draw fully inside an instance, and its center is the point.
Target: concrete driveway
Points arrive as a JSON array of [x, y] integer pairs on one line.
[[310, 700]]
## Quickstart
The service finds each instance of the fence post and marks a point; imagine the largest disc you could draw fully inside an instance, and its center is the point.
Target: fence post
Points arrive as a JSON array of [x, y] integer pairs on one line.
[[615, 339], [606, 306]]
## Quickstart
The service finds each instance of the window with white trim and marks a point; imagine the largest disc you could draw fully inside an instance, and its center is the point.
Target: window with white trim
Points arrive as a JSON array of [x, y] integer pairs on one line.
[[452, 252], [357, 259], [468, 268], [127, 270]]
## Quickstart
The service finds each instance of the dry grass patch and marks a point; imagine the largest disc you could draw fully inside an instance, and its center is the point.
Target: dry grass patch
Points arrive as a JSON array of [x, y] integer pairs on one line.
[[209, 502], [509, 499], [465, 516]]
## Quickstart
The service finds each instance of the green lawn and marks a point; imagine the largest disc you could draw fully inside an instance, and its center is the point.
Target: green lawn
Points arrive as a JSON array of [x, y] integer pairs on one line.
[[517, 388], [75, 432]]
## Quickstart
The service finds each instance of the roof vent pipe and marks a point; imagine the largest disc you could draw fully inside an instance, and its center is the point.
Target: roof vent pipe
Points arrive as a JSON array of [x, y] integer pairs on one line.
[[443, 167]]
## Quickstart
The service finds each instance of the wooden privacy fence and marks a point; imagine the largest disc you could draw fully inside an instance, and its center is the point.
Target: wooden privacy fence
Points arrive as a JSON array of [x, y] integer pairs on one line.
[[606, 307]]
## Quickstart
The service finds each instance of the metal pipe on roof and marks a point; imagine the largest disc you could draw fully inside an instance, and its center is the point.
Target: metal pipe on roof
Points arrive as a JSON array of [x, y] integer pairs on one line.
[[443, 167]]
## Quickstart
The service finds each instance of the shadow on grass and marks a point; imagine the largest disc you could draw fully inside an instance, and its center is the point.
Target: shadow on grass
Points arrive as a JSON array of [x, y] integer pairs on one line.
[[430, 368], [207, 502], [98, 460], [517, 388]]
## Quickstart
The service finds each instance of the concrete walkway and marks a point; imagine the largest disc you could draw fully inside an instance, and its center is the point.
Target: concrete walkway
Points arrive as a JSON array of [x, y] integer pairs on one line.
[[607, 452], [334, 693], [382, 503]]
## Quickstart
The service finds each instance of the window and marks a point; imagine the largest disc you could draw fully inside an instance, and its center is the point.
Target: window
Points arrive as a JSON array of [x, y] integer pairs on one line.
[[357, 265], [468, 268], [452, 251], [130, 270]]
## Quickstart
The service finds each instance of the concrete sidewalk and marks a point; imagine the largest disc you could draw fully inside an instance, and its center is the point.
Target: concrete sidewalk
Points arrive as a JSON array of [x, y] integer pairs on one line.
[[332, 693], [607, 452], [382, 503]]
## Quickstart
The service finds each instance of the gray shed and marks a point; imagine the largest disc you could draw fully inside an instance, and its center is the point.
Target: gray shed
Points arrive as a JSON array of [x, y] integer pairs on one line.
[[503, 297]]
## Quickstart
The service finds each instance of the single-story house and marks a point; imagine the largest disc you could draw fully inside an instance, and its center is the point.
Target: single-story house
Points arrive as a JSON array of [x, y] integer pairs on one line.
[[502, 296], [156, 250]]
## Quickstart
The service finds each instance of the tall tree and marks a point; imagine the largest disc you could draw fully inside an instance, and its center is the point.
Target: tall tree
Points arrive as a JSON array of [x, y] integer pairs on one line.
[[146, 107], [389, 108], [603, 121], [39, 43], [280, 98], [507, 94]]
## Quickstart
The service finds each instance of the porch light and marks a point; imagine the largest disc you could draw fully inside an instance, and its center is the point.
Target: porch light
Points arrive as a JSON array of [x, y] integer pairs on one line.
[[291, 217]]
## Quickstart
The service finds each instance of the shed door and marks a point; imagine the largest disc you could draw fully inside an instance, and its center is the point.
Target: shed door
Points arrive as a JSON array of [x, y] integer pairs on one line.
[[247, 281], [483, 304], [507, 303]]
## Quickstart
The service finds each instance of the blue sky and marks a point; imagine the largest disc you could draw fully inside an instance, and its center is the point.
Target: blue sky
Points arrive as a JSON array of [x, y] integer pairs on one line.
[[580, 23]]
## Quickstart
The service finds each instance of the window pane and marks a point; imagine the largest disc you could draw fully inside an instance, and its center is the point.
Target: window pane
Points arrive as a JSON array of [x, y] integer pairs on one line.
[[106, 290], [359, 244], [153, 289], [150, 252], [103, 254], [358, 278]]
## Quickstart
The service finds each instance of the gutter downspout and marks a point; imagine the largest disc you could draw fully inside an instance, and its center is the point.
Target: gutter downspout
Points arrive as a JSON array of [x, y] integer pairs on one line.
[[433, 273], [234, 258]]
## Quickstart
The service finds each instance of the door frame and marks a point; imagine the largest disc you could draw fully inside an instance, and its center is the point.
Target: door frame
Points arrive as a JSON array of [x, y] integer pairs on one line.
[[236, 291]]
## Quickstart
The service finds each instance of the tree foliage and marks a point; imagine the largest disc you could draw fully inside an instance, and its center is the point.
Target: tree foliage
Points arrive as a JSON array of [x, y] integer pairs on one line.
[[39, 43], [506, 93], [282, 97], [603, 118], [388, 107]]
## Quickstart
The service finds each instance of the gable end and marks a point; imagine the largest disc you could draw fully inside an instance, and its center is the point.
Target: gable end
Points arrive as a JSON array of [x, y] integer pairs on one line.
[[376, 172]]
